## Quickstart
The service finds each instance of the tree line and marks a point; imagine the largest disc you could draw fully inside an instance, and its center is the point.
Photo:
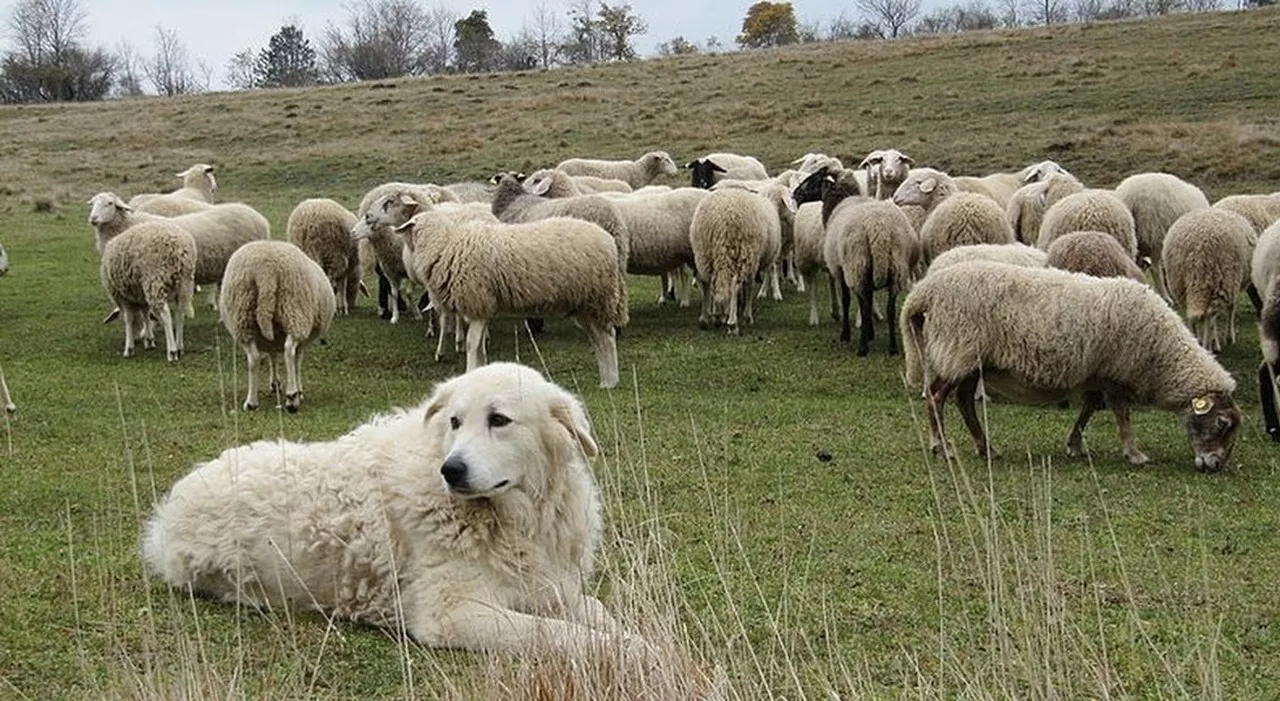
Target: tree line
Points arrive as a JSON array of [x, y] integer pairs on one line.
[[49, 60]]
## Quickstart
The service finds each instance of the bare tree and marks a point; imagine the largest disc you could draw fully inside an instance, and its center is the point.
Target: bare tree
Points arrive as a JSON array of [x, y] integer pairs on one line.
[[48, 62], [1010, 13], [382, 39], [548, 33], [169, 70], [128, 71], [240, 70], [45, 30], [440, 38], [890, 16]]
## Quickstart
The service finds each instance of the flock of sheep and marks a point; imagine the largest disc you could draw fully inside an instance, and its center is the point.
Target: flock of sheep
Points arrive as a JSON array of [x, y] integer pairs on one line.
[[1028, 283]]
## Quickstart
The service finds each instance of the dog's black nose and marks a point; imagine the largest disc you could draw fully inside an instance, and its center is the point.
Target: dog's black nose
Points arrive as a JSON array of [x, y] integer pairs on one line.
[[454, 471]]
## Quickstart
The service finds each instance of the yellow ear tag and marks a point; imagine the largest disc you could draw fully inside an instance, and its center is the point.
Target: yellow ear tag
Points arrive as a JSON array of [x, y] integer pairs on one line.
[[1201, 405]]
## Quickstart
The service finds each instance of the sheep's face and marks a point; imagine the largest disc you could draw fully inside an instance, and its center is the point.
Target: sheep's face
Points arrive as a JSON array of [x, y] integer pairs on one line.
[[666, 165], [812, 188], [1040, 171], [1211, 423], [704, 173], [192, 176], [916, 190], [105, 207]]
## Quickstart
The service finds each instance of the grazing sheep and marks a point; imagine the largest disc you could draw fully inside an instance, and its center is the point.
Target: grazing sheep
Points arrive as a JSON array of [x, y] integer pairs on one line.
[[1028, 204], [322, 229], [1092, 253], [1206, 263], [954, 218], [1265, 276], [886, 169], [275, 299], [1156, 200], [149, 271], [1261, 210], [555, 184], [1089, 210], [637, 173], [1007, 253], [1043, 334], [551, 266], [197, 184], [869, 245], [513, 205], [734, 234], [218, 231], [1001, 186], [658, 227]]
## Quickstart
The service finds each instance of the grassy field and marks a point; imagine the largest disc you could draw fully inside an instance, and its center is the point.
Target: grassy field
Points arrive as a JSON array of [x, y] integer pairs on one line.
[[881, 573]]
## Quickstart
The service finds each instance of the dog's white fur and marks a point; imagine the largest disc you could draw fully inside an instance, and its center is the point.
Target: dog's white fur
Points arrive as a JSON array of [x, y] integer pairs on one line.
[[367, 527]]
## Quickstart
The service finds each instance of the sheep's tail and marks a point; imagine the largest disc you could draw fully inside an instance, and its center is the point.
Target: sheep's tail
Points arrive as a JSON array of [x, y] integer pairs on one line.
[[722, 284], [622, 305], [266, 305], [912, 331], [186, 297], [1196, 309]]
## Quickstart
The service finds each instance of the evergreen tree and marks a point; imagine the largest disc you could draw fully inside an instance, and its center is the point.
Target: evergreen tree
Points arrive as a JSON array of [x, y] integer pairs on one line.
[[287, 62], [474, 46]]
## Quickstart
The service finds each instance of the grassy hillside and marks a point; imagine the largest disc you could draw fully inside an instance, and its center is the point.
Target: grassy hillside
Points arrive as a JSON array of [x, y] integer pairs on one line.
[[881, 572]]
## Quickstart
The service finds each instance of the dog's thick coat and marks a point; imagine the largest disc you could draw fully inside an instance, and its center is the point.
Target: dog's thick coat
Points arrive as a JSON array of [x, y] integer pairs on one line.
[[471, 520]]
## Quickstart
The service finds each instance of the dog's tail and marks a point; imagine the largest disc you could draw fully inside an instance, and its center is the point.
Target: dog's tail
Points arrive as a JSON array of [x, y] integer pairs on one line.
[[158, 556]]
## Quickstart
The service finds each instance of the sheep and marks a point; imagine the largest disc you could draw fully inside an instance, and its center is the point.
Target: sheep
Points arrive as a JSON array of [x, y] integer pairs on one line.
[[149, 271], [1206, 263], [1092, 253], [713, 167], [218, 231], [658, 228], [1089, 210], [1001, 186], [6, 399], [1007, 253], [198, 184], [886, 169], [1261, 210], [4, 262], [811, 163], [554, 184], [810, 238], [1156, 200], [388, 246], [275, 299], [1043, 334], [1265, 277], [954, 218], [559, 265], [637, 173], [734, 234], [869, 245], [322, 229], [513, 205], [1028, 204]]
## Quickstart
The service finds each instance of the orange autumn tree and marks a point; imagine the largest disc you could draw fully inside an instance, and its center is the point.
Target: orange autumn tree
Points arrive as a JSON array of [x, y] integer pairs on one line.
[[768, 24]]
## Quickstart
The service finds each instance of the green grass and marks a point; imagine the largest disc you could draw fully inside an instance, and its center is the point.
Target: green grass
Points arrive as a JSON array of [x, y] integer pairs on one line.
[[881, 573]]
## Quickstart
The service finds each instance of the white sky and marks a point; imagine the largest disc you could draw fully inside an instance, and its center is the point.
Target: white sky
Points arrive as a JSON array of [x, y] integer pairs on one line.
[[214, 30]]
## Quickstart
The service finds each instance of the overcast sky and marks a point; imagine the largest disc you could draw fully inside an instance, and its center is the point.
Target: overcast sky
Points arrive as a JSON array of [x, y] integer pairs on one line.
[[214, 30]]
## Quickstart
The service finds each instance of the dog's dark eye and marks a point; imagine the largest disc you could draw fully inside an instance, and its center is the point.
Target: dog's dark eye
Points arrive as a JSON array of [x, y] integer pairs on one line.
[[497, 420], [454, 422]]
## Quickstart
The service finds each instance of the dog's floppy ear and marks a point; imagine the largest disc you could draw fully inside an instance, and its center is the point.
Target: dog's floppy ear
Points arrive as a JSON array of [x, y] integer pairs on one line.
[[439, 399], [569, 413]]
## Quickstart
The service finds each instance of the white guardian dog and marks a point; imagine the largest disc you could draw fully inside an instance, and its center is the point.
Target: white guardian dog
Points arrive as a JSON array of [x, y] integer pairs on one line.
[[470, 521]]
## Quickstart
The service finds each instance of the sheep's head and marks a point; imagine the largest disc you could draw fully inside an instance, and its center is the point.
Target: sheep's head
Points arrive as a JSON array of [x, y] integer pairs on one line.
[[813, 162], [888, 165], [1211, 422], [497, 177], [703, 173], [665, 164], [923, 187], [198, 176], [1041, 171], [814, 186], [104, 207]]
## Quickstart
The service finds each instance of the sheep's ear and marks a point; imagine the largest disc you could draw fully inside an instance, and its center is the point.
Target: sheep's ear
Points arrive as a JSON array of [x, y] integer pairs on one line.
[[873, 158], [715, 167], [1144, 262], [406, 201], [928, 184], [407, 226], [569, 414], [689, 165], [120, 204], [907, 159], [541, 187]]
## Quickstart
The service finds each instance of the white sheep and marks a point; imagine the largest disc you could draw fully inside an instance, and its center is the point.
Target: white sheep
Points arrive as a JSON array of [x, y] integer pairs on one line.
[[1261, 210], [637, 173], [954, 218], [658, 228], [198, 186], [810, 238], [322, 229], [1089, 210], [734, 234], [218, 231], [554, 184], [1092, 253], [4, 262], [275, 299], [149, 271], [513, 205], [1265, 277], [1007, 253], [1206, 264], [886, 169], [1040, 334], [1156, 200], [551, 266], [1001, 186], [387, 244], [1028, 204]]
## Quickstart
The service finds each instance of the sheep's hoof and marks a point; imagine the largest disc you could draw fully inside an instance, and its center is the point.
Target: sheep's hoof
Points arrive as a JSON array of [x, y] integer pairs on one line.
[[148, 343], [292, 401], [1137, 458], [940, 450], [1274, 432], [986, 452], [734, 330], [250, 407], [173, 356], [128, 353], [1075, 449], [862, 351]]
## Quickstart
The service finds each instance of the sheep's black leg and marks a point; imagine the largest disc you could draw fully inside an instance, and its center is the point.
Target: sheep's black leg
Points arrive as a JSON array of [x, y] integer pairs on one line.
[[866, 333], [1254, 298], [831, 287], [936, 402], [893, 318], [1267, 397], [1092, 402], [424, 301], [965, 391], [845, 334], [384, 293], [535, 325]]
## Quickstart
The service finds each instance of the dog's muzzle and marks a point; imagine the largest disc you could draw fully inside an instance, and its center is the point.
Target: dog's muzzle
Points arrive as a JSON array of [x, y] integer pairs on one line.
[[454, 472]]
